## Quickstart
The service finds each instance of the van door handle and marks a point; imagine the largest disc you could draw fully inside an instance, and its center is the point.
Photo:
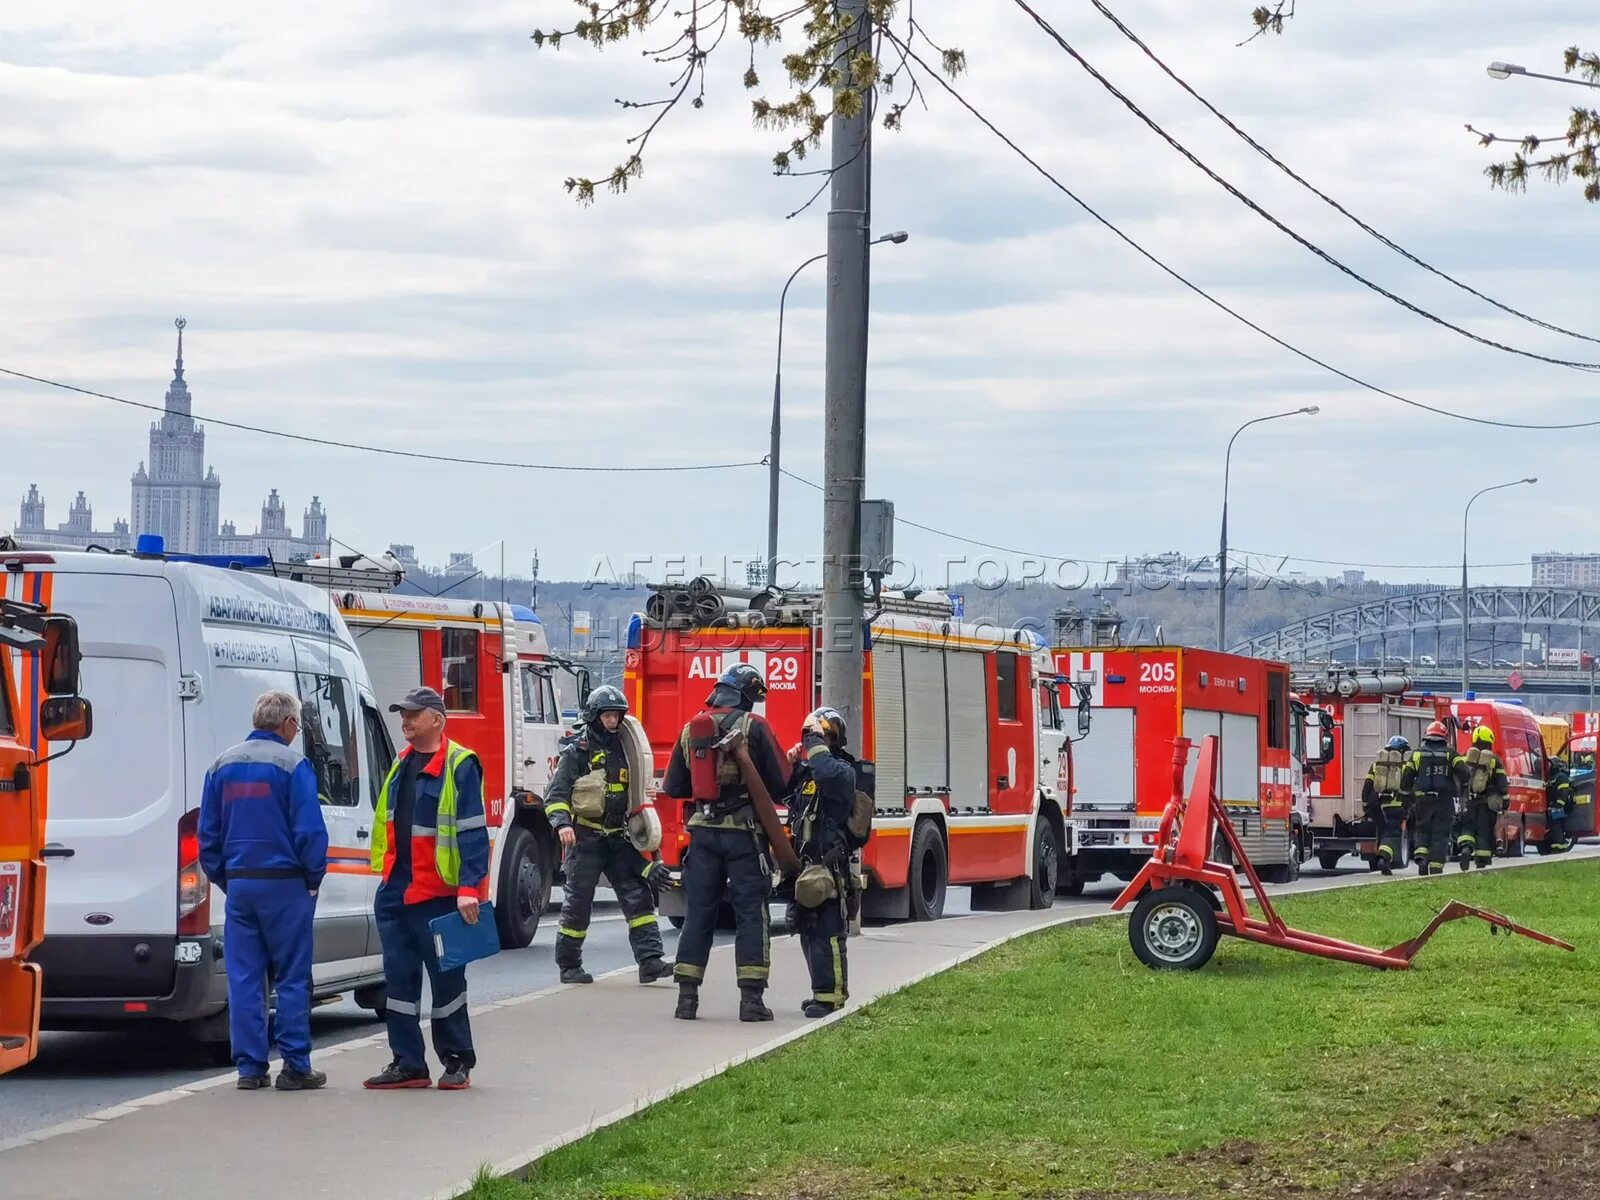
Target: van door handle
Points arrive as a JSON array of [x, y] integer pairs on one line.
[[363, 834], [57, 850]]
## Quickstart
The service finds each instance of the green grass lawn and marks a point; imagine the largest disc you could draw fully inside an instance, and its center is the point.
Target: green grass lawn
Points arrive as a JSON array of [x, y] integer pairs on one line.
[[1058, 1063]]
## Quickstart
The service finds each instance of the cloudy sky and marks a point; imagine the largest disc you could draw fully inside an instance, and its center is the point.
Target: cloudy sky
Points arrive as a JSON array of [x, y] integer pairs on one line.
[[358, 207]]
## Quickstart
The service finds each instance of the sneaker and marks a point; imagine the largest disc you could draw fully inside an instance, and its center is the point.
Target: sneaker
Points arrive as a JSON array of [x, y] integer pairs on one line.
[[394, 1076], [751, 1007], [252, 1083], [653, 969], [456, 1076], [819, 1008], [300, 1081], [575, 975], [688, 1002]]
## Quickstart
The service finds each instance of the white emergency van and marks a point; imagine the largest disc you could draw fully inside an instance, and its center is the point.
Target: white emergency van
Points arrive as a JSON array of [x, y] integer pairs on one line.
[[175, 654]]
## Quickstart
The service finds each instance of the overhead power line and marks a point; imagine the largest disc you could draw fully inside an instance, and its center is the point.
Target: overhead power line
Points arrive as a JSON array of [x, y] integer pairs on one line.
[[1172, 272], [390, 450], [1323, 196], [1261, 212]]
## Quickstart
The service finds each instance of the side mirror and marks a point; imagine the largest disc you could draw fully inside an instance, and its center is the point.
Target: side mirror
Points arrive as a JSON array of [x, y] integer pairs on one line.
[[61, 657], [584, 687], [1085, 714], [1326, 755], [66, 719]]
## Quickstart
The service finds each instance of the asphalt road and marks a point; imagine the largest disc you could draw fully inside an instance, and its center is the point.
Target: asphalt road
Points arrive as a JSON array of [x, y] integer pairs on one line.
[[80, 1073]]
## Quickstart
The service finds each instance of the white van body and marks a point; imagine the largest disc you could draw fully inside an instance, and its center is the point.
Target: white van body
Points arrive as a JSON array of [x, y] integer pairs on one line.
[[175, 655]]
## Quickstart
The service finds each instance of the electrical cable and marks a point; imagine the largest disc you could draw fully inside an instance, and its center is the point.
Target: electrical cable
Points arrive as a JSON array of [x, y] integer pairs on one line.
[[1323, 196], [1150, 257], [1261, 212], [389, 450]]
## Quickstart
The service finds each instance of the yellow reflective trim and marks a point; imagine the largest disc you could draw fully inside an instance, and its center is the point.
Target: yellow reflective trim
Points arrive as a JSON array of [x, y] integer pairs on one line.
[[638, 922], [751, 974], [685, 970], [575, 934]]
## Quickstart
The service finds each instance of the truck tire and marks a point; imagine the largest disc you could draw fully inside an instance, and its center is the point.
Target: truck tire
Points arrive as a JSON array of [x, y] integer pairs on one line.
[[524, 889], [1173, 929], [1046, 865], [1328, 860], [928, 872]]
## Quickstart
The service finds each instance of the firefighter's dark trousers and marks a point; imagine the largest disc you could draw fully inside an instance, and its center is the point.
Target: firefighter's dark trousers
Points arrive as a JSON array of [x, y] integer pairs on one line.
[[822, 935], [1391, 831], [731, 858], [1432, 821], [408, 949], [612, 855], [1476, 836]]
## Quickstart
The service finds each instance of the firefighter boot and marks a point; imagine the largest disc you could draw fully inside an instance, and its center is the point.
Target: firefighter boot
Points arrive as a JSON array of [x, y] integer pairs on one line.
[[688, 1001], [751, 1007], [653, 969], [575, 975]]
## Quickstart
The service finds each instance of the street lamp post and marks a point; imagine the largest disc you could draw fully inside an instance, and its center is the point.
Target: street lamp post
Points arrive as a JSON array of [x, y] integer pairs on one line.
[[773, 471], [1466, 667], [1310, 410], [1500, 70]]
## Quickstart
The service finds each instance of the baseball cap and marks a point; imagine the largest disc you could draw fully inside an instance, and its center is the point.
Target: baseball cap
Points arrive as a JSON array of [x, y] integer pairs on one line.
[[419, 698]]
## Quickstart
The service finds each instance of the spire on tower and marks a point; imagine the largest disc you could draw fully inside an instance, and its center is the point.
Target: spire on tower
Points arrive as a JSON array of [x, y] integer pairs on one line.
[[180, 323]]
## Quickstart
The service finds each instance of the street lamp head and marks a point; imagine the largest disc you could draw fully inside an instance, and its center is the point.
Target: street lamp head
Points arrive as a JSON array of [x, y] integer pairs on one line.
[[1311, 410], [1531, 479], [1500, 70], [897, 237]]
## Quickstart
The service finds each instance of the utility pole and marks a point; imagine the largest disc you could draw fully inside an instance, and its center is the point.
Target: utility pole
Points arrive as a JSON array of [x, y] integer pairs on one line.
[[845, 393]]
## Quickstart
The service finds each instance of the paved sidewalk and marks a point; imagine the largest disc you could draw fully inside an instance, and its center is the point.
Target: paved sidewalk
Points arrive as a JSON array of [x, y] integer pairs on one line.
[[530, 1093]]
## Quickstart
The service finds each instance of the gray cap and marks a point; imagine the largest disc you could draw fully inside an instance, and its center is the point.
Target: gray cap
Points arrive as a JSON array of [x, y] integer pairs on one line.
[[418, 699]]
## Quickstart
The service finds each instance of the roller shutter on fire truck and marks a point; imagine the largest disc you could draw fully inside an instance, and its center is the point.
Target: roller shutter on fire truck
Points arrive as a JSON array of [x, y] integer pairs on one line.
[[889, 725], [969, 727], [394, 662]]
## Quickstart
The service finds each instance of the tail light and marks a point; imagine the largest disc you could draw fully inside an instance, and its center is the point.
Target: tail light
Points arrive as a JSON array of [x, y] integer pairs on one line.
[[194, 889]]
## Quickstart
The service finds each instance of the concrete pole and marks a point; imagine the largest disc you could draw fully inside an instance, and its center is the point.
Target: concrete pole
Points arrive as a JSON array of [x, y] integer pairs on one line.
[[844, 414]]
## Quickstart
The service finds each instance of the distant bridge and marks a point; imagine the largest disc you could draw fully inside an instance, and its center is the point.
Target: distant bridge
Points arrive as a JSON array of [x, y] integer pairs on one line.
[[1429, 623]]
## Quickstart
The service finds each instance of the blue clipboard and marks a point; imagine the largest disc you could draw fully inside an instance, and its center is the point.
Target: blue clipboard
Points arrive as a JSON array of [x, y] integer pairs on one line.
[[457, 943]]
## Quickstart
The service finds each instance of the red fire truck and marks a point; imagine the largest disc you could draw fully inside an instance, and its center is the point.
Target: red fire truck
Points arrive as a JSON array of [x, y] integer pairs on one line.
[[1361, 712], [963, 723], [1145, 696], [492, 664], [1519, 744]]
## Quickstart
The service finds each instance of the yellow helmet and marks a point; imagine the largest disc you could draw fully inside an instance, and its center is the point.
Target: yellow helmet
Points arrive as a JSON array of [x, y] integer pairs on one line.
[[1483, 736]]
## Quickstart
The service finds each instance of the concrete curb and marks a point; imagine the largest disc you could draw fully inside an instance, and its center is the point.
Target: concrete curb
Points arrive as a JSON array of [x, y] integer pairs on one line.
[[519, 1164]]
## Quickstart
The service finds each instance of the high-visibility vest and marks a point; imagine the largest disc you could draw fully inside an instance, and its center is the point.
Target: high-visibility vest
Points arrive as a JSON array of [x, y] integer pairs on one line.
[[446, 849]]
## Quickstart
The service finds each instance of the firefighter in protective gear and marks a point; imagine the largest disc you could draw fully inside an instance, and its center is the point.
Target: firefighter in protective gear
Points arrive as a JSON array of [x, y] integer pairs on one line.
[[1558, 806], [1384, 801], [727, 850], [588, 806], [1486, 788], [1429, 785], [823, 791]]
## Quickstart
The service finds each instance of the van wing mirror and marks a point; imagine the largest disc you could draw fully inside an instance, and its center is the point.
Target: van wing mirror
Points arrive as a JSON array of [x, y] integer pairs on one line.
[[61, 657], [66, 719]]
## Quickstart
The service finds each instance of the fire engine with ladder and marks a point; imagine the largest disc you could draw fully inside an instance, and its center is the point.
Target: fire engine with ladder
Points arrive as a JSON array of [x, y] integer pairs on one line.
[[504, 690], [964, 725]]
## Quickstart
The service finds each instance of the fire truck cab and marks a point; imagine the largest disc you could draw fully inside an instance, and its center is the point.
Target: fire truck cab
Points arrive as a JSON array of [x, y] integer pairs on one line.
[[1519, 744], [1361, 711], [39, 702], [964, 725], [1145, 696]]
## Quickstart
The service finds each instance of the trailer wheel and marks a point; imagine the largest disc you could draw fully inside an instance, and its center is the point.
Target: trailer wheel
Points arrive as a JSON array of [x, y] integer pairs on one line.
[[524, 890], [1046, 865], [1173, 929], [928, 874], [1328, 860]]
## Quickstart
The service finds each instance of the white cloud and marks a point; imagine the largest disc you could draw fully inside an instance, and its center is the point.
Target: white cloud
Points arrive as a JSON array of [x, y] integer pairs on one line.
[[358, 207]]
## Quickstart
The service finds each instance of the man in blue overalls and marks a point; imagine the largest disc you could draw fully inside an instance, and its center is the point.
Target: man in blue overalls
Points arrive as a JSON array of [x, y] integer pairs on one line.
[[262, 841]]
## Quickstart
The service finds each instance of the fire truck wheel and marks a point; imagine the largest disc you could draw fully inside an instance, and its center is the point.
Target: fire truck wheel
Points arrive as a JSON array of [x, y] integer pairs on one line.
[[1328, 860], [928, 872], [1046, 865], [1173, 929], [523, 892]]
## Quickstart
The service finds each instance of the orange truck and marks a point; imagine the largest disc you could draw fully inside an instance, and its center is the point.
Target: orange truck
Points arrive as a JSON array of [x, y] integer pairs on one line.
[[39, 702]]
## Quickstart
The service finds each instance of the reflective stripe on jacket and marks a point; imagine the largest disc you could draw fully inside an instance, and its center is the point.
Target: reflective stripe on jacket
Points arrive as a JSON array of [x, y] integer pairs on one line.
[[449, 829]]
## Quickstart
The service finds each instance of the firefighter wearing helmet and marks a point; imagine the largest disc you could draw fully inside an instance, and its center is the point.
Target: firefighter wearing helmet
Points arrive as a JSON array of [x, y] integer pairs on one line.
[[720, 749], [823, 819], [1385, 802], [1429, 786], [588, 805], [1486, 790]]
